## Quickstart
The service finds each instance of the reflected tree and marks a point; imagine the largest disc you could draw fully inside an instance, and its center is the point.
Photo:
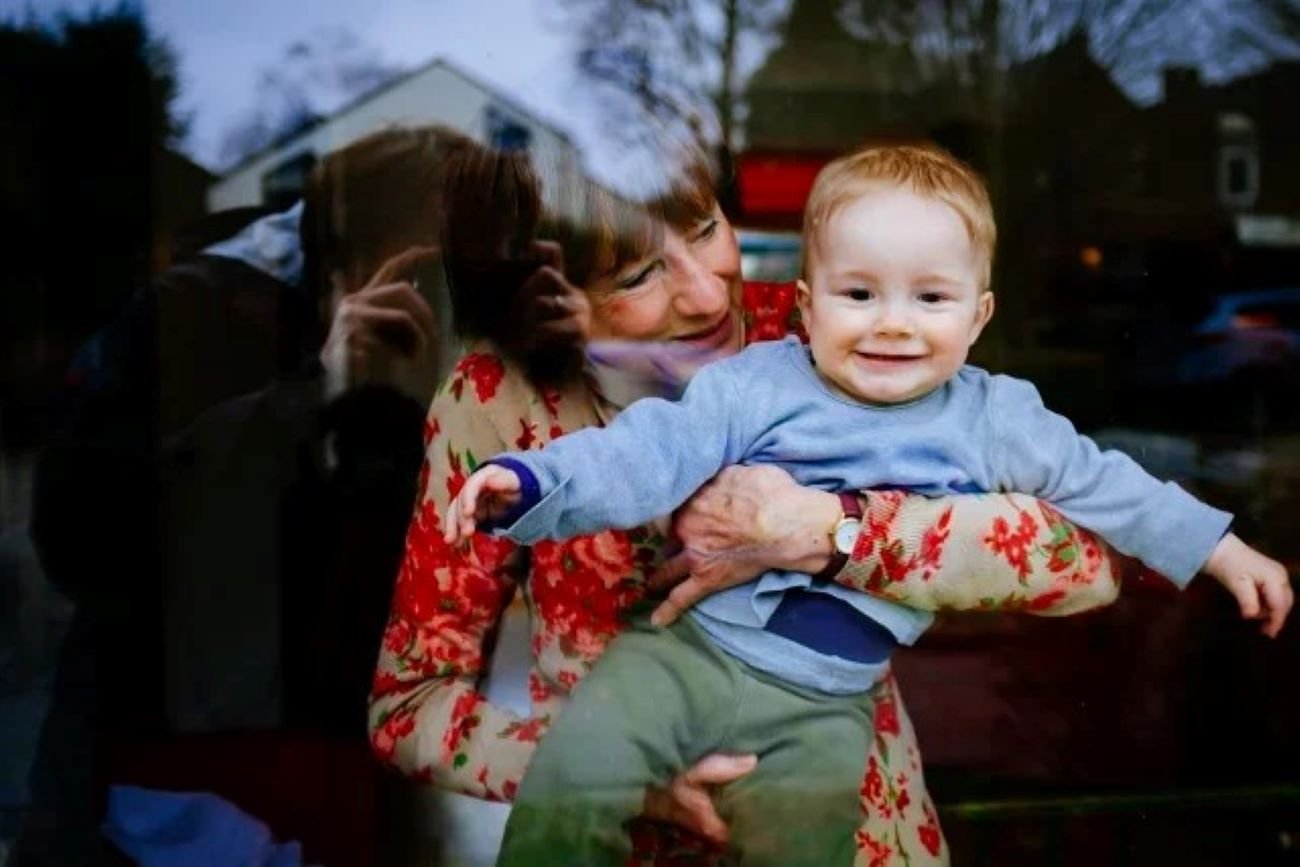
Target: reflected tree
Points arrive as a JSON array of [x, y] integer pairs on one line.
[[313, 77], [674, 65], [977, 42], [86, 105], [1267, 27]]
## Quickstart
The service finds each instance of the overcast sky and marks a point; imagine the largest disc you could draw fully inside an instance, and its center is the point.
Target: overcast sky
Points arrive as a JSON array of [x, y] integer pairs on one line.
[[224, 47], [518, 46]]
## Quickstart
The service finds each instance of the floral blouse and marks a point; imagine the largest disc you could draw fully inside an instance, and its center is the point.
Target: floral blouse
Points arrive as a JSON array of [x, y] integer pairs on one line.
[[429, 720]]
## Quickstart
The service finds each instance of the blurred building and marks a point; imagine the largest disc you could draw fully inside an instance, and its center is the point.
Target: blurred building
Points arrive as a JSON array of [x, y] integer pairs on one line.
[[437, 93], [1229, 153]]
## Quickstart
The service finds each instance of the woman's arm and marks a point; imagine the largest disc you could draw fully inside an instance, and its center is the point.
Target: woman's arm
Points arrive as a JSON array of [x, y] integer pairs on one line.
[[969, 552], [427, 716], [980, 552]]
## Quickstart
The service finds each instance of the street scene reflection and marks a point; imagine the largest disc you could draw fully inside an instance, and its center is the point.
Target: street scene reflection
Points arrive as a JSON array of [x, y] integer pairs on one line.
[[227, 305]]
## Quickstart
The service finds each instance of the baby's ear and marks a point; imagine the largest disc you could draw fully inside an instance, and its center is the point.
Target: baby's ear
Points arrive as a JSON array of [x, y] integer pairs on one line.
[[803, 294], [983, 313]]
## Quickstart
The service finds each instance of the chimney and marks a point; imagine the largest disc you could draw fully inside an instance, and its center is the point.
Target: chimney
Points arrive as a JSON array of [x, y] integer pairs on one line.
[[1182, 83]]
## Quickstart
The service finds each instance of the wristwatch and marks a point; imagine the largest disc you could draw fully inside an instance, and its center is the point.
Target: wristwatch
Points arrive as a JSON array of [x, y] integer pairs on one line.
[[844, 536]]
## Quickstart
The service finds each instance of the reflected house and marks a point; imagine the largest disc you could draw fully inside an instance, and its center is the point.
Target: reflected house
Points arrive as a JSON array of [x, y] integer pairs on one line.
[[436, 93], [1229, 154]]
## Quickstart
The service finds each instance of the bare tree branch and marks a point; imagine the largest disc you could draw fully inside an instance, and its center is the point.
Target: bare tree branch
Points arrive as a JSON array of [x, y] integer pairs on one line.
[[670, 63]]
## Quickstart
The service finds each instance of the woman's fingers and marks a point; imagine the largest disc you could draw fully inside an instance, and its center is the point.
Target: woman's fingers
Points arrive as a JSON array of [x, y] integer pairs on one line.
[[547, 300], [688, 801], [391, 326], [697, 812], [402, 266], [550, 253], [693, 790], [716, 769], [679, 601], [401, 296], [671, 572]]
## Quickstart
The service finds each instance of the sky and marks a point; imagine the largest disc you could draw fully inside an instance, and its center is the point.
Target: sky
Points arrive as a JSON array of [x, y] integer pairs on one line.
[[223, 48], [518, 46]]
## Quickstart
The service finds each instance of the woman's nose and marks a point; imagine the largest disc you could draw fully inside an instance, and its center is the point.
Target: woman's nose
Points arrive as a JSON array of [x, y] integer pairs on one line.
[[697, 290]]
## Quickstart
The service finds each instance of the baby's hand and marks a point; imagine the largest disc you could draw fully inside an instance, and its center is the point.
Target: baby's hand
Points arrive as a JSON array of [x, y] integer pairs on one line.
[[488, 493], [1259, 583]]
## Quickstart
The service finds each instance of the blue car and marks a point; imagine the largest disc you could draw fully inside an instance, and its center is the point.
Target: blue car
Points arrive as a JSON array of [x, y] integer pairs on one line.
[[1250, 339]]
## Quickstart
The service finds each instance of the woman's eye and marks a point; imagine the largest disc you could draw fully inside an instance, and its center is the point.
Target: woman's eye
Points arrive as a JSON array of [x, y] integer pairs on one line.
[[637, 277], [707, 231]]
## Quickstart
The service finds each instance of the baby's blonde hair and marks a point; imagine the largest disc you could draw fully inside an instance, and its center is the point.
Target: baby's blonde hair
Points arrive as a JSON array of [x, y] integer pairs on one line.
[[927, 170]]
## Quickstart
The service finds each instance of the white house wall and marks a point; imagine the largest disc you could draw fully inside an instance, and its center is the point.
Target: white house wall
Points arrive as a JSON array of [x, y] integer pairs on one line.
[[435, 95]]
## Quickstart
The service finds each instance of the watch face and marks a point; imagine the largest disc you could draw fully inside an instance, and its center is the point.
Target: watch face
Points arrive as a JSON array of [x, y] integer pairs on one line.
[[846, 535]]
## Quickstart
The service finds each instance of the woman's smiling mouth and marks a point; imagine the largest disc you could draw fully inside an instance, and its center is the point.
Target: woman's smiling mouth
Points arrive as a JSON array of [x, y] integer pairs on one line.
[[715, 333]]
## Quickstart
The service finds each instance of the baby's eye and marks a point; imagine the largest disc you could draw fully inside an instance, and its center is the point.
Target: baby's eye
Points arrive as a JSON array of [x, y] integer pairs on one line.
[[932, 297], [859, 293]]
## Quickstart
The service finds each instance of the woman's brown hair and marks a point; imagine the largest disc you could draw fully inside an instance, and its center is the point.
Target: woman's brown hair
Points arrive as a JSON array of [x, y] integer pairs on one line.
[[381, 188]]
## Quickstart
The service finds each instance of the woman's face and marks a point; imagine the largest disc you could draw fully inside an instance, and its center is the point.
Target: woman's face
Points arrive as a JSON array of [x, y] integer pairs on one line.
[[687, 293]]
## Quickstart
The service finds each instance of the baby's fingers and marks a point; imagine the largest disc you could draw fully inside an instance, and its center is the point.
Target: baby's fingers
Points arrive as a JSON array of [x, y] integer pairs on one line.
[[469, 503], [1278, 599], [450, 523], [460, 514], [1243, 589]]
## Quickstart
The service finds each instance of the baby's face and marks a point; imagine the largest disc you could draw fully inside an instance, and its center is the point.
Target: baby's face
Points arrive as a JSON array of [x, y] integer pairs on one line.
[[893, 300]]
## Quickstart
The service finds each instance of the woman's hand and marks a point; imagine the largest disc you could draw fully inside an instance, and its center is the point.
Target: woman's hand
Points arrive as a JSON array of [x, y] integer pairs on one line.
[[384, 333], [742, 523], [551, 317], [688, 800]]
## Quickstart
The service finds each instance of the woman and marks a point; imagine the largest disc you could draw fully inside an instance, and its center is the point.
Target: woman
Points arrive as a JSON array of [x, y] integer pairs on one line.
[[678, 287]]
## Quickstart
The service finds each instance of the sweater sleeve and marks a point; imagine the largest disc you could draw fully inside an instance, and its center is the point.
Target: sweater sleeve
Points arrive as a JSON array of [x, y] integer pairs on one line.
[[1036, 451], [428, 717], [979, 552], [646, 463]]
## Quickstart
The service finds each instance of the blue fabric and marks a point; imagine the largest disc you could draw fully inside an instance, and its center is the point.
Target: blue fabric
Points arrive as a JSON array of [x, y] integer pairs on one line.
[[768, 405], [830, 626], [529, 493], [271, 244], [190, 829]]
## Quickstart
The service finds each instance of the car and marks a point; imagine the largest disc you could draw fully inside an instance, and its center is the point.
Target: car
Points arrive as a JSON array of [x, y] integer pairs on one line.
[[1250, 339]]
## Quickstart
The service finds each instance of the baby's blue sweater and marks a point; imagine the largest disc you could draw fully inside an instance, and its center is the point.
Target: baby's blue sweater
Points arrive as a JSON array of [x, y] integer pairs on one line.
[[978, 432]]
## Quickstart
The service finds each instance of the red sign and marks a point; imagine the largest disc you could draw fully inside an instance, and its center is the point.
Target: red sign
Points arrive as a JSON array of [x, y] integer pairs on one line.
[[775, 184]]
